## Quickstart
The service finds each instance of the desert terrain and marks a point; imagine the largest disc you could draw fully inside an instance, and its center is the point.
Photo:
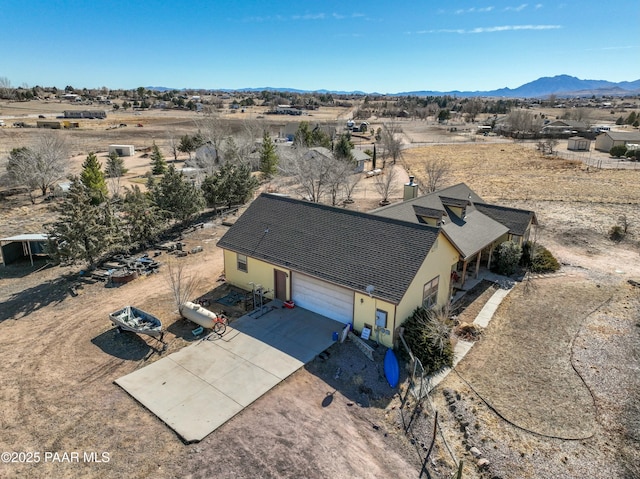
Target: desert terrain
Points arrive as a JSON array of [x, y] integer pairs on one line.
[[549, 390]]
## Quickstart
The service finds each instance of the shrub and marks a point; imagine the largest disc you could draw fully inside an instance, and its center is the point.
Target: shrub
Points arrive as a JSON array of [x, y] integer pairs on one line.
[[616, 233], [508, 257], [633, 155], [618, 151], [538, 259], [428, 334], [544, 262]]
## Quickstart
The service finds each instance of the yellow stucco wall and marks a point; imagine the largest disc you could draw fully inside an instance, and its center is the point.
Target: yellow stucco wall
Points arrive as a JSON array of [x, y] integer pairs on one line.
[[430, 221], [364, 311], [257, 271], [438, 263]]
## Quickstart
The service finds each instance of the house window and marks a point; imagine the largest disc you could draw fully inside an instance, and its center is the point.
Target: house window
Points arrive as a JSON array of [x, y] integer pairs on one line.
[[242, 263], [430, 293], [381, 319]]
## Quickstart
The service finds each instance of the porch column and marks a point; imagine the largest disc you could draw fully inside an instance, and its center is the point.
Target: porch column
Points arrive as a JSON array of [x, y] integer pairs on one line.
[[490, 256], [464, 272], [478, 264]]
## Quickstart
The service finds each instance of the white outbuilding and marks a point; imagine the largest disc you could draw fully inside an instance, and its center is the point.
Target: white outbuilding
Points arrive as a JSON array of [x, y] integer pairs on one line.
[[122, 150]]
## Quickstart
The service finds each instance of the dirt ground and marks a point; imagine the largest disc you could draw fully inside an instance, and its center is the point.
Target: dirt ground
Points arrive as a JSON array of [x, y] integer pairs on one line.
[[568, 412]]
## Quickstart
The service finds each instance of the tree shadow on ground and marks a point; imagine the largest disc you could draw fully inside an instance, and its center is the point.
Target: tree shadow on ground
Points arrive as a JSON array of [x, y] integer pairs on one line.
[[23, 268], [126, 345], [25, 302]]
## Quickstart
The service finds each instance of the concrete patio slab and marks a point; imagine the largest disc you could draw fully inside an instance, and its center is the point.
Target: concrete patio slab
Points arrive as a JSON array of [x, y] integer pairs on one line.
[[197, 389]]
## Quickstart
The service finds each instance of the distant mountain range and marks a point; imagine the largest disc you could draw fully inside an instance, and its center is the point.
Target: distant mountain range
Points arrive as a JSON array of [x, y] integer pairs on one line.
[[560, 85]]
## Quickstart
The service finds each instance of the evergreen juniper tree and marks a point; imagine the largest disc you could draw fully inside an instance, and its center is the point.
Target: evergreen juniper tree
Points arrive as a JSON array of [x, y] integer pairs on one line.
[[176, 196], [268, 157], [342, 149], [159, 164], [143, 219], [84, 231], [93, 179], [115, 166]]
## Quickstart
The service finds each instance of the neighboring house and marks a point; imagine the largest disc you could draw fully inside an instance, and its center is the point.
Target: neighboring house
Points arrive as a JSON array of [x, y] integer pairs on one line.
[[360, 158], [85, 114], [577, 143], [352, 267], [607, 140], [206, 153], [474, 227], [563, 126], [321, 153]]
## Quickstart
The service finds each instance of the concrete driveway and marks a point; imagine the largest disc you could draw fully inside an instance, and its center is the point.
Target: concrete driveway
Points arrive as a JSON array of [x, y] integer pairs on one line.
[[199, 388]]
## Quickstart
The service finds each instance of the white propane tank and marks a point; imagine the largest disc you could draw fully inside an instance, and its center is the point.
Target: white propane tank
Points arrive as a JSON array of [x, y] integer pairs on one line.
[[197, 314]]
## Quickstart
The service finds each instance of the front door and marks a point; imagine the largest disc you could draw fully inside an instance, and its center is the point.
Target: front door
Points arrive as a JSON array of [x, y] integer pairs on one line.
[[281, 284]]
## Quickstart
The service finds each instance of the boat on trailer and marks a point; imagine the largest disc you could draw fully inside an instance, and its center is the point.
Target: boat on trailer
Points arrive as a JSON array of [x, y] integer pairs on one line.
[[133, 319]]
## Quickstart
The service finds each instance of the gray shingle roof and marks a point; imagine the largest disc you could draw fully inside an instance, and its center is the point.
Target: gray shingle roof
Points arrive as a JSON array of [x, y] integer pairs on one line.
[[428, 212], [515, 219], [623, 135], [472, 233], [459, 202], [477, 229], [344, 247]]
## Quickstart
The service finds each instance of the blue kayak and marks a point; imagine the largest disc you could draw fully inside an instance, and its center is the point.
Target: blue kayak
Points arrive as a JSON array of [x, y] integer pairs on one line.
[[391, 368]]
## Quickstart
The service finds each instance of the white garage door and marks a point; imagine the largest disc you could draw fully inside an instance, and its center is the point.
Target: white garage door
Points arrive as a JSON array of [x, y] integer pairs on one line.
[[323, 298]]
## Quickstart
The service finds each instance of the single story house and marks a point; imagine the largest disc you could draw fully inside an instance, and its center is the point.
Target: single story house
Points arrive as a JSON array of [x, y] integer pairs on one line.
[[563, 126], [608, 139], [85, 114], [206, 154], [352, 267], [577, 143]]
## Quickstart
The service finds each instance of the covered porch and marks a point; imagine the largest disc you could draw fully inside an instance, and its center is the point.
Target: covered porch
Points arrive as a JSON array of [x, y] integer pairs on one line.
[[469, 268]]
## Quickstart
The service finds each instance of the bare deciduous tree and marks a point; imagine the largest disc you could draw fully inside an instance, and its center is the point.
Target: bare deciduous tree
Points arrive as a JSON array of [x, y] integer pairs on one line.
[[338, 175], [173, 143], [472, 108], [183, 285], [547, 146], [311, 170], [5, 88], [213, 128], [385, 184], [391, 142], [350, 182], [523, 121], [42, 165], [436, 169]]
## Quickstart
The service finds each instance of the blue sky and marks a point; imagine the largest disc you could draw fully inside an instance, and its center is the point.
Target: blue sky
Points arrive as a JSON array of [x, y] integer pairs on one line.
[[372, 46]]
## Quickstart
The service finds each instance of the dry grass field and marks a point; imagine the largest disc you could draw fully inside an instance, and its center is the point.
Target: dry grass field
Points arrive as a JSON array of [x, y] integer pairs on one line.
[[558, 359]]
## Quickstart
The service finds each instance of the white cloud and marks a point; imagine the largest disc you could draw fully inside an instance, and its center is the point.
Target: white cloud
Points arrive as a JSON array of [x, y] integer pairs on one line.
[[507, 28], [460, 11], [502, 28], [519, 8], [309, 16], [538, 6]]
